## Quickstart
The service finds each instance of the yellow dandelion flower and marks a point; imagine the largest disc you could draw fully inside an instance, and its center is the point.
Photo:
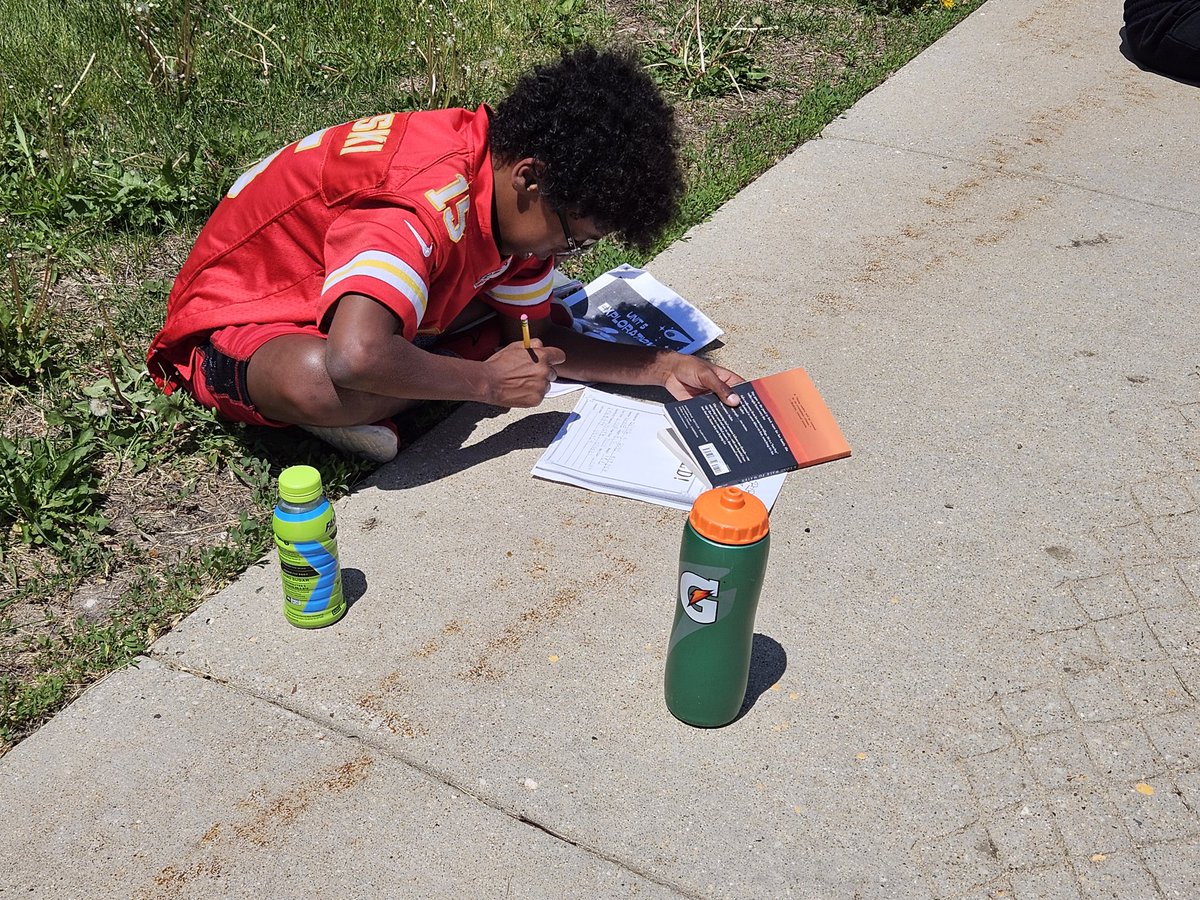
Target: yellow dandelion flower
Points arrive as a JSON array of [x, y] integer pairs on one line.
[[948, 3]]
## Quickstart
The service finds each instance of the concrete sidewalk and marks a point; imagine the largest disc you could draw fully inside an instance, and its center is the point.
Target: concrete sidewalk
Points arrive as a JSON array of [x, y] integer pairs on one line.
[[978, 656]]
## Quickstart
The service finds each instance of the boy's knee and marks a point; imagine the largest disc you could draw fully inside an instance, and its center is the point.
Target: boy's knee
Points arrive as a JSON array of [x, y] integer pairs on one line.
[[288, 380]]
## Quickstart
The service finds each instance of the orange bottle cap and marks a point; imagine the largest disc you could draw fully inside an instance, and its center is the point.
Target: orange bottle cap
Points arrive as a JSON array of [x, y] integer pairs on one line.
[[729, 515]]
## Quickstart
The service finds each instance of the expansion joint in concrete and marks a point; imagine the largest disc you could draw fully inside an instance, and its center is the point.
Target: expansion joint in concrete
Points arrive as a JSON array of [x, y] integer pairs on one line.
[[387, 750], [1015, 172]]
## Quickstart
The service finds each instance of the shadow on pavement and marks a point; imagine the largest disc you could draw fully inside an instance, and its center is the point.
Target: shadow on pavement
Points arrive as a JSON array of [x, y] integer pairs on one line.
[[768, 662], [354, 585], [444, 450]]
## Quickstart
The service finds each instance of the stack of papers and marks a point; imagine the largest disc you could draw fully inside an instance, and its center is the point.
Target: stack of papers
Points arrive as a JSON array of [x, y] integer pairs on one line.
[[611, 444]]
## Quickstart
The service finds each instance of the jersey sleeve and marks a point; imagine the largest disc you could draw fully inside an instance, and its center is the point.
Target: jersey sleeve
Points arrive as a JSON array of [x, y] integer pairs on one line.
[[524, 290], [384, 253]]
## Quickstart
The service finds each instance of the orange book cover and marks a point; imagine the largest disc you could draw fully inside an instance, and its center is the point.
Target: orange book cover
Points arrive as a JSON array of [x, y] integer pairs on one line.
[[807, 425], [781, 424]]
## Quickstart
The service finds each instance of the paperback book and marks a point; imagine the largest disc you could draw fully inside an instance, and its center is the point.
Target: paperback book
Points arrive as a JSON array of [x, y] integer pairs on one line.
[[781, 424]]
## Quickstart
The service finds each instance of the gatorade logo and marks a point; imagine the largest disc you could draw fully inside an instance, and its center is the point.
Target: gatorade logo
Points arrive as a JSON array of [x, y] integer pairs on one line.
[[699, 597]]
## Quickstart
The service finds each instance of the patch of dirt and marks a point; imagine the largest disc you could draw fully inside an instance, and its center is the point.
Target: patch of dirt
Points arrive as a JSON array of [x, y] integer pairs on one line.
[[162, 512], [24, 414], [156, 517]]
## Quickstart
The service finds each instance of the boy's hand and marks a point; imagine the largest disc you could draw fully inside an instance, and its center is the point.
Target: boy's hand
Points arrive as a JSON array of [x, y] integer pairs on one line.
[[688, 376], [515, 380]]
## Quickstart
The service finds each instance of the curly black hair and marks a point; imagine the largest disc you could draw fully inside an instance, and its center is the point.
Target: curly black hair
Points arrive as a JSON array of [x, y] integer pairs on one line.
[[605, 136]]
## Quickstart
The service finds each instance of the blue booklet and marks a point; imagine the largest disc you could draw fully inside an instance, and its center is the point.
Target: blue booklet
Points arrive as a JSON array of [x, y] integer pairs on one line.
[[629, 306]]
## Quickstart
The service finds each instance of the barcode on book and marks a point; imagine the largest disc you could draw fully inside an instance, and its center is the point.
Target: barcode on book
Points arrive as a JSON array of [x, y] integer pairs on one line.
[[713, 458]]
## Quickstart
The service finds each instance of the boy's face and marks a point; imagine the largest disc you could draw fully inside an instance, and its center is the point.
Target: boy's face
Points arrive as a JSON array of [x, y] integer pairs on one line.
[[526, 224], [549, 235]]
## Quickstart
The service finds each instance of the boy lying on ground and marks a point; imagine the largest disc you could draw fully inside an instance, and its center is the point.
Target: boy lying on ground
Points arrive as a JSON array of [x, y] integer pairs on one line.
[[344, 277]]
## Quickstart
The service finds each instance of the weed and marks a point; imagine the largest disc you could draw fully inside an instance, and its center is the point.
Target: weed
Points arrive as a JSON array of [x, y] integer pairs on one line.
[[565, 25], [22, 703], [898, 7], [454, 53], [28, 340], [166, 35], [707, 61], [439, 47], [49, 489], [137, 422]]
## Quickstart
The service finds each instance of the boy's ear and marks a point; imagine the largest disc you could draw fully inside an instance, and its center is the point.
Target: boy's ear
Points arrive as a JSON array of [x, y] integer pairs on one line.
[[525, 175]]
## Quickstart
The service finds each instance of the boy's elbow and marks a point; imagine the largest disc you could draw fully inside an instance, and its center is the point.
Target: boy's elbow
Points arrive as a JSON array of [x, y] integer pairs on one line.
[[347, 365]]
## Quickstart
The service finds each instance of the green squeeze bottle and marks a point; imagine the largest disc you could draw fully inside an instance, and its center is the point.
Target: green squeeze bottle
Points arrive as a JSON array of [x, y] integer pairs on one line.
[[721, 564], [306, 535]]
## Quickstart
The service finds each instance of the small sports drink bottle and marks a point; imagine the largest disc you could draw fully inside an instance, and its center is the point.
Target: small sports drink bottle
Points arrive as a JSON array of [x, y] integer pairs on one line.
[[721, 564], [306, 535]]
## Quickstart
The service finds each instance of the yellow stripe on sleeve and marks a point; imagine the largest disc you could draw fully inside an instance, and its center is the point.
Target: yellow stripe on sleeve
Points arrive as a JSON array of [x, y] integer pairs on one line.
[[523, 294], [388, 269]]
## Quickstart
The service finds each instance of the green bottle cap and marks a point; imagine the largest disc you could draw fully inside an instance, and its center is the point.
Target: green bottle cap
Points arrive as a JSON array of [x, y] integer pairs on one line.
[[299, 484]]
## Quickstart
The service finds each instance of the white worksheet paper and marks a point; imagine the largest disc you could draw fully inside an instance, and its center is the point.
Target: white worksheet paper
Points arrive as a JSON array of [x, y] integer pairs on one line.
[[610, 444]]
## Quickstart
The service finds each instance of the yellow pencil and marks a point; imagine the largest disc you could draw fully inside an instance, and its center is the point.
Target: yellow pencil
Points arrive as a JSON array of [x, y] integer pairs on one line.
[[525, 337]]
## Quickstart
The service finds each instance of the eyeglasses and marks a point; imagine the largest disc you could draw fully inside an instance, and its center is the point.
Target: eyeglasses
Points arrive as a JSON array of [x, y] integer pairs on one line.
[[574, 247]]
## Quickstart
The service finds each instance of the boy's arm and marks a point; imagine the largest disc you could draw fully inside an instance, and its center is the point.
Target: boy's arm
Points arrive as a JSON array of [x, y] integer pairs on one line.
[[588, 359], [366, 353]]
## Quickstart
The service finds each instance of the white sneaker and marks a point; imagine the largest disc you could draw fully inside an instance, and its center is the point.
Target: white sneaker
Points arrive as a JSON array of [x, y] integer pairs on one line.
[[378, 443]]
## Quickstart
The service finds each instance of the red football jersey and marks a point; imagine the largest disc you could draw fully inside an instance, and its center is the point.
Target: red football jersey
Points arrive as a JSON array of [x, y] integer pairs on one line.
[[397, 207]]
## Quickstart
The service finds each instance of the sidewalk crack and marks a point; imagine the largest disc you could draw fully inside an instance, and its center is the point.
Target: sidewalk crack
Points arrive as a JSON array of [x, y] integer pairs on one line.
[[387, 750], [1013, 171]]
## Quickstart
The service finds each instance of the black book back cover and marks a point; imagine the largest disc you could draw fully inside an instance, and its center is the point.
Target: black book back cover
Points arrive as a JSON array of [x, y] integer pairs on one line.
[[732, 444]]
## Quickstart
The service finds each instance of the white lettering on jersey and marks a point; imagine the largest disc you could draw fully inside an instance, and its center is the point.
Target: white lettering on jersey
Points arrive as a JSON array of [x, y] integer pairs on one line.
[[368, 135], [452, 201]]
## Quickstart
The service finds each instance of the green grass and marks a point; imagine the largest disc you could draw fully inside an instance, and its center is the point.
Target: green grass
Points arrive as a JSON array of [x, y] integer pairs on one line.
[[122, 124]]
